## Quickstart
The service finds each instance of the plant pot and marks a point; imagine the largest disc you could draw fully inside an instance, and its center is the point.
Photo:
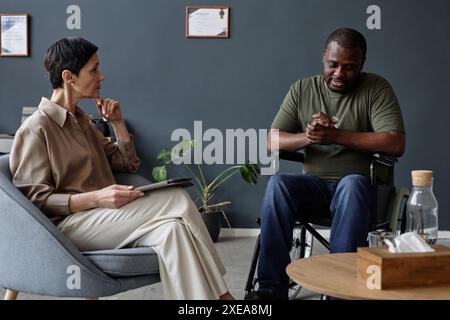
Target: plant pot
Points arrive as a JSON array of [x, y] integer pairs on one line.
[[213, 222]]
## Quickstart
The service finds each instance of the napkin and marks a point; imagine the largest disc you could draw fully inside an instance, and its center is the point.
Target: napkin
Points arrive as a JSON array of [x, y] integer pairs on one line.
[[408, 242]]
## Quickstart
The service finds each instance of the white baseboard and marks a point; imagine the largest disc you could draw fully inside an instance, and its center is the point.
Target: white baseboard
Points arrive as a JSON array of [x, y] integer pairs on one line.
[[239, 232], [253, 232]]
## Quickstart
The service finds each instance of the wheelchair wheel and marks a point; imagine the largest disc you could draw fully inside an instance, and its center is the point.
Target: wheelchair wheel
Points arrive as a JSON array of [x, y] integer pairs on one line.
[[302, 244]]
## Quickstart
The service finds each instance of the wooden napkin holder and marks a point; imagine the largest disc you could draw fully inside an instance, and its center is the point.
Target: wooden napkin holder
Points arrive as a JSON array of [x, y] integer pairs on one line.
[[405, 270]]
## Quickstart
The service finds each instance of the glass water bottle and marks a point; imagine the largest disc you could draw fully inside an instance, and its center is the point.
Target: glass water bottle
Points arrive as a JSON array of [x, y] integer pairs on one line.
[[422, 207]]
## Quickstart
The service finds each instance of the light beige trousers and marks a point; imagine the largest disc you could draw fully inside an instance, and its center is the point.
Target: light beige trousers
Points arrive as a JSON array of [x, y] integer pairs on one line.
[[169, 222]]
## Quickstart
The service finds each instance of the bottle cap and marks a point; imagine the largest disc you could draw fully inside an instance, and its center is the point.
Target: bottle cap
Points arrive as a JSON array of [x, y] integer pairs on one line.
[[422, 178]]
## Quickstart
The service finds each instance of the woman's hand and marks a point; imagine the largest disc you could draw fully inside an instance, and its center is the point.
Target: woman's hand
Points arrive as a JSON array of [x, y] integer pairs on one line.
[[115, 196], [109, 109]]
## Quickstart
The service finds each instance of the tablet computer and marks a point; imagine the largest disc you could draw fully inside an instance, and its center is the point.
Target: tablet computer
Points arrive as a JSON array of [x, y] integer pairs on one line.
[[176, 182]]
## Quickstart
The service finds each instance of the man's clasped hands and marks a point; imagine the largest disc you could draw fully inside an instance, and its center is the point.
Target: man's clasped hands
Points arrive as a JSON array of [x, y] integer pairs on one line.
[[322, 129]]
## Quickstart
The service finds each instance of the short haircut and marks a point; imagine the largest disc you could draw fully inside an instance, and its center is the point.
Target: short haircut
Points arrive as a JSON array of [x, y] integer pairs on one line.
[[67, 54], [348, 38]]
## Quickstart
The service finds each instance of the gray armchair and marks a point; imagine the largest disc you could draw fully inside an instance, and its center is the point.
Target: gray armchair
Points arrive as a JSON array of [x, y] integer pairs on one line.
[[35, 257]]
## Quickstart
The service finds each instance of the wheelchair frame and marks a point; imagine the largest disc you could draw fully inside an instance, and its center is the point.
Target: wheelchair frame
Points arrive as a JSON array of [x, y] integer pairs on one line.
[[395, 219]]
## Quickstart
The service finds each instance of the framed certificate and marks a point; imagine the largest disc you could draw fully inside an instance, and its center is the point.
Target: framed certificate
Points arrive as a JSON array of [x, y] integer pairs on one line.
[[13, 34], [207, 22]]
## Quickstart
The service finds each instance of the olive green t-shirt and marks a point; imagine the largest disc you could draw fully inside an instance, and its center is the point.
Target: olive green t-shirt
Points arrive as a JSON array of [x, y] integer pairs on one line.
[[370, 106]]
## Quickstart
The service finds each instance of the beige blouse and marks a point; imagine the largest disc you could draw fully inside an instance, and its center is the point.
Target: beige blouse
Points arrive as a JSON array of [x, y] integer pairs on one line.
[[56, 153]]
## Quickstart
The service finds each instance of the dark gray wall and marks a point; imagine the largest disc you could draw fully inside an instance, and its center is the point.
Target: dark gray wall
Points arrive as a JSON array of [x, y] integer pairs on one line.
[[166, 81]]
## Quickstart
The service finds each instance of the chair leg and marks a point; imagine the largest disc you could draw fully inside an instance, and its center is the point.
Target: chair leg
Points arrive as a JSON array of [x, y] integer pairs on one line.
[[11, 295]]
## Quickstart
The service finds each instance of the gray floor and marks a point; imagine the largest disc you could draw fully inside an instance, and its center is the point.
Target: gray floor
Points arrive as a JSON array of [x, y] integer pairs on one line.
[[235, 253]]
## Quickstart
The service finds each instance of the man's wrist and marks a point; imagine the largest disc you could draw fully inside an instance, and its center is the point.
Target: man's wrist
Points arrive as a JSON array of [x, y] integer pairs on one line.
[[304, 142], [341, 137]]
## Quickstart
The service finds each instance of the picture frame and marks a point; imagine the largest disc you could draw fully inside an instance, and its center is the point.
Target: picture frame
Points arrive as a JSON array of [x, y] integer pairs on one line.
[[207, 21], [14, 35]]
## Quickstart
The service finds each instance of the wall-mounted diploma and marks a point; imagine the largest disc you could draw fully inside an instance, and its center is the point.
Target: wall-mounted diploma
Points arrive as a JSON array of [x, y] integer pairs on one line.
[[207, 22], [13, 35]]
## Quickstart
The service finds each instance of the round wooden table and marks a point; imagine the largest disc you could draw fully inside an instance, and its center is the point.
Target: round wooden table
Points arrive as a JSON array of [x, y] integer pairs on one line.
[[335, 275]]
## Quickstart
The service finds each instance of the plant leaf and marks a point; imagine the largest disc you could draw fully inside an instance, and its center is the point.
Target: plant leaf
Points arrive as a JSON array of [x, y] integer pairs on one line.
[[159, 173], [164, 156], [224, 203], [226, 219], [245, 173], [250, 173]]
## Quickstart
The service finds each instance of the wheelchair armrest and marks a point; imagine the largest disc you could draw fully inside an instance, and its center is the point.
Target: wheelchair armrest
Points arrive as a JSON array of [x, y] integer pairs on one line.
[[384, 159], [292, 156], [388, 163]]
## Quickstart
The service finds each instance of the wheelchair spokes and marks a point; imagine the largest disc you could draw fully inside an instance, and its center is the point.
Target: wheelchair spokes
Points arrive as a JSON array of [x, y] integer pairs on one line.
[[302, 245]]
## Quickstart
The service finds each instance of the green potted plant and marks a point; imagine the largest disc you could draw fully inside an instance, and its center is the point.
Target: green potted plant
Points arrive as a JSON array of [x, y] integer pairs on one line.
[[210, 212]]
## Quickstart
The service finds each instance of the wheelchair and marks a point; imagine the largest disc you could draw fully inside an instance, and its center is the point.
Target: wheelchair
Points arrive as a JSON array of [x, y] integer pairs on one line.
[[388, 212]]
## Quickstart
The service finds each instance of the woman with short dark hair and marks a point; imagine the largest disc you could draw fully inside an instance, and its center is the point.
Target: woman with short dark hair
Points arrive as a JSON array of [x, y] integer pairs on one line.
[[63, 164]]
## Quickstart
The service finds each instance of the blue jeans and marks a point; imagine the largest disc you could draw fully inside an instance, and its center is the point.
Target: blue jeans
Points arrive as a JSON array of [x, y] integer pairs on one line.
[[287, 196]]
